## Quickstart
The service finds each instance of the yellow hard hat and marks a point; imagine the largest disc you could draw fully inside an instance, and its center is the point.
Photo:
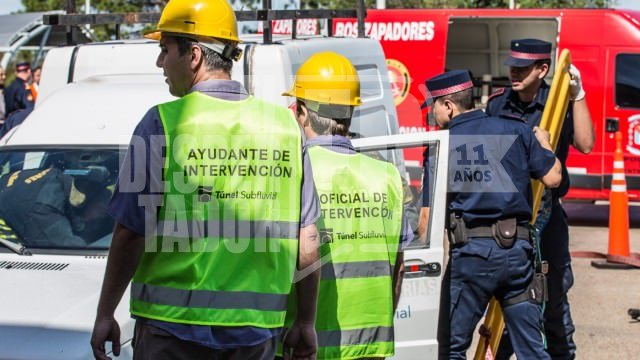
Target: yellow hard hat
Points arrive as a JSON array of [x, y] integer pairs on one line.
[[199, 18], [327, 78]]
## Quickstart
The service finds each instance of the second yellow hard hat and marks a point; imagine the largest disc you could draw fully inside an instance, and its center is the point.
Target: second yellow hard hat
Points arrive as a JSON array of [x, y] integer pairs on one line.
[[327, 78]]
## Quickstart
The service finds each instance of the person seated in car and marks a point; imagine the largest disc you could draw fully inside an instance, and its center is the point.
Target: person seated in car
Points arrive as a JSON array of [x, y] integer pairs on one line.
[[47, 208]]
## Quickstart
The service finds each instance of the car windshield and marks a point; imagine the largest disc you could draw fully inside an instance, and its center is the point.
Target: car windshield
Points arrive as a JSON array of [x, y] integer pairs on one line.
[[57, 198]]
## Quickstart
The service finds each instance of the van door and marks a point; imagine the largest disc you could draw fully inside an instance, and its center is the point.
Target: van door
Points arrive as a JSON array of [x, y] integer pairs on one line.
[[416, 318], [622, 104]]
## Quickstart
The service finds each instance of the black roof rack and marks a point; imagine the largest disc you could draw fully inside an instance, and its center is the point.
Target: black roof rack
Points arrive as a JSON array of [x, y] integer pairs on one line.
[[72, 20]]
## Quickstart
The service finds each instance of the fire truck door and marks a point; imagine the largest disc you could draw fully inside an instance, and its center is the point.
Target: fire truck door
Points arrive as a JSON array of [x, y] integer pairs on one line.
[[622, 107]]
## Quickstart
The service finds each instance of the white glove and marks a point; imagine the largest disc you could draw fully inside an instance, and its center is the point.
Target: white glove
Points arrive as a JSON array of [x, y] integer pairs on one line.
[[575, 84]]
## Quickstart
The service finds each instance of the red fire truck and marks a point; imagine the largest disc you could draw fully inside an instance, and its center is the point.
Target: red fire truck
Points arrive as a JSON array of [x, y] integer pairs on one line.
[[604, 45]]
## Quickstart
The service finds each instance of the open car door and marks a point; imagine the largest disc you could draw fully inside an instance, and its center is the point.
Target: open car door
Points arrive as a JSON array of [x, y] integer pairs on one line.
[[416, 318]]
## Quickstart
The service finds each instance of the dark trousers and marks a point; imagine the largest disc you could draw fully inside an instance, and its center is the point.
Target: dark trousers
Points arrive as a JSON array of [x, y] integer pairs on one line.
[[558, 324], [152, 343], [476, 272], [557, 316]]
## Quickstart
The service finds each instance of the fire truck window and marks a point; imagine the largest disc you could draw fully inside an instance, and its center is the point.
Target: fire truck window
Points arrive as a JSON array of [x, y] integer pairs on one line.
[[628, 80]]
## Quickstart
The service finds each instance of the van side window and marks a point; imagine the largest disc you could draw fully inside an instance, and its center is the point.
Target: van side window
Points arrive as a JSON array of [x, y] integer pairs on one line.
[[627, 91], [370, 82]]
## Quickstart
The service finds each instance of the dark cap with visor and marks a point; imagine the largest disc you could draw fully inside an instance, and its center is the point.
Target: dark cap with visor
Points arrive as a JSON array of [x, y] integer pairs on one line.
[[525, 52], [445, 84], [23, 66]]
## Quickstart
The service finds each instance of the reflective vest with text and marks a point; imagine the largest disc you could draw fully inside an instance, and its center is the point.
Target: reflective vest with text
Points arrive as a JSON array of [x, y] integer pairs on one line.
[[361, 218], [224, 249]]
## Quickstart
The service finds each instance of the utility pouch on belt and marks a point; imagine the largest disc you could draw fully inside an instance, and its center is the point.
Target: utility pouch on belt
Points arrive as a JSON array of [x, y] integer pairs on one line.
[[504, 231], [537, 292], [456, 229], [538, 289]]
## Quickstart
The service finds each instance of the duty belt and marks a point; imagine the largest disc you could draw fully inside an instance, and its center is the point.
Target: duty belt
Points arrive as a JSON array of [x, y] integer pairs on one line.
[[522, 232], [505, 232]]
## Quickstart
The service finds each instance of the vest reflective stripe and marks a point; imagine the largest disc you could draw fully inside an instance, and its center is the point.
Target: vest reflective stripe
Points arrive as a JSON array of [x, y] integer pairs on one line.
[[355, 336], [208, 299], [332, 271], [224, 251], [229, 229]]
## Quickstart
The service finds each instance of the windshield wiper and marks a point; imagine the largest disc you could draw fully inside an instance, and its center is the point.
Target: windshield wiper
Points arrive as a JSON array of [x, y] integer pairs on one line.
[[17, 248]]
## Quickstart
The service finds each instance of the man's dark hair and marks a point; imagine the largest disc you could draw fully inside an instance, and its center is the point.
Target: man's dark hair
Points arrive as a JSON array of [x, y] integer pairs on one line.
[[544, 61], [212, 59], [324, 125], [463, 99]]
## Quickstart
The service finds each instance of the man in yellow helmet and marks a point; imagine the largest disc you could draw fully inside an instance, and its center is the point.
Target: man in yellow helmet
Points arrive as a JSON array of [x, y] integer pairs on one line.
[[214, 206], [362, 227]]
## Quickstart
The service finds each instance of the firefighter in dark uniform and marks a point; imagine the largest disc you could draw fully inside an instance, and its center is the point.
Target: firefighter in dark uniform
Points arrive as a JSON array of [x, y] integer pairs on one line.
[[18, 95], [529, 64], [489, 207], [49, 209]]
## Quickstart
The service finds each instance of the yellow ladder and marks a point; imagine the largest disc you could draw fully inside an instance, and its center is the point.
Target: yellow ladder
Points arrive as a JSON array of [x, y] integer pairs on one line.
[[552, 119]]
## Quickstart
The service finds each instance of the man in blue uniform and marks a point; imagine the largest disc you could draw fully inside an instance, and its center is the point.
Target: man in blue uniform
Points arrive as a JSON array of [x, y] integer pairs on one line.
[[17, 95], [529, 64], [489, 204]]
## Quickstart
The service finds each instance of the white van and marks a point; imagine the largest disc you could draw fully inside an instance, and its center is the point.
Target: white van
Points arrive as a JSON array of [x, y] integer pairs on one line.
[[91, 98]]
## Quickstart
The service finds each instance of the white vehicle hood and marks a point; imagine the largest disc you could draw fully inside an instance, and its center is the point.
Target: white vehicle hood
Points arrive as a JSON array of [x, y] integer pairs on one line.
[[48, 306]]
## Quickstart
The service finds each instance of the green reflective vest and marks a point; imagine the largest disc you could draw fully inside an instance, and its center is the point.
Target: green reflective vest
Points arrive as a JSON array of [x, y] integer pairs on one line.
[[360, 225], [225, 246]]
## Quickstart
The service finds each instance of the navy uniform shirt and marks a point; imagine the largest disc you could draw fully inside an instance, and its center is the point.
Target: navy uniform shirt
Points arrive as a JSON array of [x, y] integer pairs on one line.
[[16, 118], [137, 215], [524, 159], [506, 104], [17, 96], [38, 210]]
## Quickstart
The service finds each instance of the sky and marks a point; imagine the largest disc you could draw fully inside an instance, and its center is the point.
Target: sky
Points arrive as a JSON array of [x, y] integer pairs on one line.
[[626, 4], [8, 6]]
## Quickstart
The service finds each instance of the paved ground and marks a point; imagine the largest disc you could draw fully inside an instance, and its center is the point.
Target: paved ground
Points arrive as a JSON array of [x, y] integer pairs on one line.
[[600, 298]]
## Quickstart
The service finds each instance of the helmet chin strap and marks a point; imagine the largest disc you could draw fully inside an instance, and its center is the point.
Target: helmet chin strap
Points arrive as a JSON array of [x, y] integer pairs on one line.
[[227, 51]]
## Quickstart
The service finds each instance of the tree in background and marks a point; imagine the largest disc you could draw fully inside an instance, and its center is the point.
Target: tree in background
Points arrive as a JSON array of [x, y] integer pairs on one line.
[[111, 6], [552, 4], [98, 6], [43, 5], [116, 6], [426, 4]]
